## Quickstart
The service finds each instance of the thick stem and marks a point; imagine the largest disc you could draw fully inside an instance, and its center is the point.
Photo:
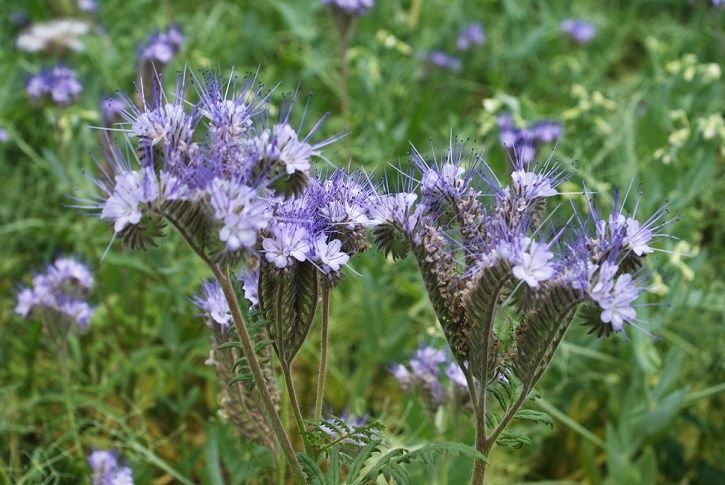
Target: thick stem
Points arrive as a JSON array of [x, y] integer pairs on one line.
[[323, 353], [250, 355]]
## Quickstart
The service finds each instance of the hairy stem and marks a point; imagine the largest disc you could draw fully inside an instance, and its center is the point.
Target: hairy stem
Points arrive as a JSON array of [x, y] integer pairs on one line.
[[292, 394], [287, 371], [323, 352], [250, 355]]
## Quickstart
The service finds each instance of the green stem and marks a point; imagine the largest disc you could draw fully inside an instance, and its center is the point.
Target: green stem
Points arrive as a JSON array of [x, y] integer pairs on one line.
[[62, 344], [323, 353], [250, 355]]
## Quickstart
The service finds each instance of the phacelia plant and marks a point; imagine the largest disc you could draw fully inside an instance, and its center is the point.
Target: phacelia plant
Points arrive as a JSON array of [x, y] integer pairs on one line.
[[484, 249]]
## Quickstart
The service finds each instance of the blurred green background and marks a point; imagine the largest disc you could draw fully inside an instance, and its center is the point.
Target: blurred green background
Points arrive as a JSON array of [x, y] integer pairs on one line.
[[643, 101]]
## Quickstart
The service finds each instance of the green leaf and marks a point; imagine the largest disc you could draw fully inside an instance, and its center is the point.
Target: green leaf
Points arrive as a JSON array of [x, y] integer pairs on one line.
[[359, 461], [311, 469], [512, 439], [534, 416]]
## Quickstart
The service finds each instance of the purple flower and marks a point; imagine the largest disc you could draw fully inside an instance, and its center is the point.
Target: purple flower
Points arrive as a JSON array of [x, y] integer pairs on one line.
[[329, 255], [455, 374], [614, 295], [59, 83], [106, 469], [289, 242], [250, 284], [4, 135], [241, 212], [426, 371], [350, 7], [161, 47], [471, 35], [442, 60], [533, 263], [523, 143], [132, 190], [212, 301], [59, 293], [578, 30]]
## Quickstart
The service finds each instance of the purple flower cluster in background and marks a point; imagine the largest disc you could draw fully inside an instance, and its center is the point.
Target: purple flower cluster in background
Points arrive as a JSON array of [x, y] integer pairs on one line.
[[350, 7], [107, 470], [471, 35], [161, 47], [442, 60], [597, 258], [60, 84], [523, 142], [428, 371], [59, 294], [578, 30]]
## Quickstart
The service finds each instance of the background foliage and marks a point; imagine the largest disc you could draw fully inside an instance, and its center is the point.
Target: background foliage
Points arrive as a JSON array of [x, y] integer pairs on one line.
[[627, 410]]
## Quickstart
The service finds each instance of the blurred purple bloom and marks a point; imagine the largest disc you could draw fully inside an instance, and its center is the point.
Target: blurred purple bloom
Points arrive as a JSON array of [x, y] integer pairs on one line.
[[471, 35], [578, 30], [350, 7], [58, 83], [161, 47], [89, 6], [112, 109], [523, 143], [442, 60], [212, 301], [106, 469], [4, 135], [455, 374], [59, 292]]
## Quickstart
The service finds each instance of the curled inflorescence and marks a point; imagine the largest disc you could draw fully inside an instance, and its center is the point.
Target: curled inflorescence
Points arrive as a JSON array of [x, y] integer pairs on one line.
[[474, 256], [214, 167], [58, 295]]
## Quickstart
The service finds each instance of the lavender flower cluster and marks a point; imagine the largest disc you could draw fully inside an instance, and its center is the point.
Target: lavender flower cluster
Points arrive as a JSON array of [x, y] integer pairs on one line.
[[425, 372], [214, 159], [597, 259], [523, 142], [58, 295], [161, 47], [60, 84], [350, 7], [108, 470]]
